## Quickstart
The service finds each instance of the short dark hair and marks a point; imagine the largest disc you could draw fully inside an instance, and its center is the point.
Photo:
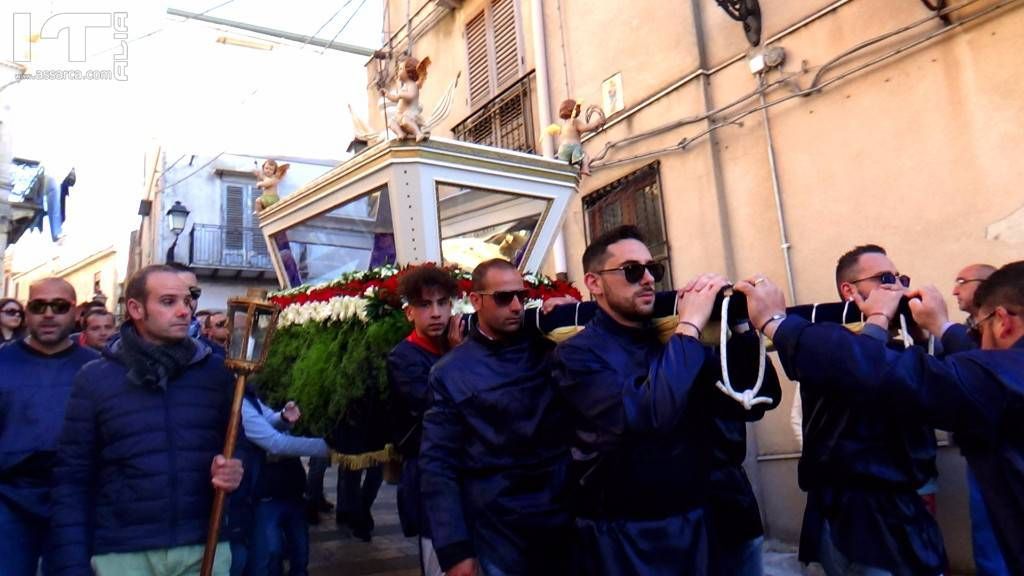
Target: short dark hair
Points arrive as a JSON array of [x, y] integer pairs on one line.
[[848, 261], [95, 312], [203, 312], [135, 288], [1005, 287], [483, 268], [415, 282], [596, 253]]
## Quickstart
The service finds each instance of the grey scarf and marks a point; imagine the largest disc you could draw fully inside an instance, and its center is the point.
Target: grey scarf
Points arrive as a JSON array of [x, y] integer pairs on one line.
[[153, 365]]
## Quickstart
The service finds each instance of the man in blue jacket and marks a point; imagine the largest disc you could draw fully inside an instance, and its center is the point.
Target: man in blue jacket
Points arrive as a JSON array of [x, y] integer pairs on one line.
[[139, 454], [977, 394], [427, 292], [493, 455], [862, 468], [643, 413], [37, 374]]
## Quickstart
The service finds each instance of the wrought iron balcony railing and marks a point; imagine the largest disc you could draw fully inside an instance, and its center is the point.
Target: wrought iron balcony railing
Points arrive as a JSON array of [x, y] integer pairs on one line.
[[505, 121], [218, 246]]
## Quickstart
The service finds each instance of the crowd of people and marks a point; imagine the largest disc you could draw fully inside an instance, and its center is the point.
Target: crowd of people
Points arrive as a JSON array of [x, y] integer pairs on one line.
[[612, 451]]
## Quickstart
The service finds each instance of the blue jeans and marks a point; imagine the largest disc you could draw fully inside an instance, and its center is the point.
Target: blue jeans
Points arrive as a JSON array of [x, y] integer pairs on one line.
[[21, 540], [988, 559], [744, 559], [279, 525]]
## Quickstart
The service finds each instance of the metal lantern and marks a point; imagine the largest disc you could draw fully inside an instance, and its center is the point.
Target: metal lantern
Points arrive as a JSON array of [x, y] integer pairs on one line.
[[251, 325], [176, 217]]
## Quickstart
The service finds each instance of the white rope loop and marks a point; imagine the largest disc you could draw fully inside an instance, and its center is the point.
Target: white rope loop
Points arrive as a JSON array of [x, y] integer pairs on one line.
[[748, 398]]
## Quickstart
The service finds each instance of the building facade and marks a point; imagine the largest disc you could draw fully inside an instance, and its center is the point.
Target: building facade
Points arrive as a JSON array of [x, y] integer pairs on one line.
[[852, 121], [221, 241]]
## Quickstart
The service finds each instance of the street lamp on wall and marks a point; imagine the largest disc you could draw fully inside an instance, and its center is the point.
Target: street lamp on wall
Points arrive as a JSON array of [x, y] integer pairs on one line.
[[176, 218], [747, 12]]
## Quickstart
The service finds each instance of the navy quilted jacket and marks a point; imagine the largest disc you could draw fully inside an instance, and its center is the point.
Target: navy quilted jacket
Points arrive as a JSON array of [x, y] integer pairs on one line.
[[133, 463]]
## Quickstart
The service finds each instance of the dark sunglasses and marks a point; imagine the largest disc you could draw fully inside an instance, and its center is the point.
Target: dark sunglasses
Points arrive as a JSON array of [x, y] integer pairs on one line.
[[504, 297], [59, 306], [634, 271], [13, 312], [888, 278]]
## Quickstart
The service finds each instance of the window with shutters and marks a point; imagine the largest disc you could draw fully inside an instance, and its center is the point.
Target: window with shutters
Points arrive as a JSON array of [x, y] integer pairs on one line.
[[493, 50], [633, 199], [238, 207]]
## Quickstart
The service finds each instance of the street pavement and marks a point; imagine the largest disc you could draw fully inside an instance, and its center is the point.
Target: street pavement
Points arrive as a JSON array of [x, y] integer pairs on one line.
[[335, 552]]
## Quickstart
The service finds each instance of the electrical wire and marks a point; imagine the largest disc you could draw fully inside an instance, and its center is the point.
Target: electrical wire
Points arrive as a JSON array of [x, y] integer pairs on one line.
[[335, 37], [682, 144], [119, 45], [257, 89]]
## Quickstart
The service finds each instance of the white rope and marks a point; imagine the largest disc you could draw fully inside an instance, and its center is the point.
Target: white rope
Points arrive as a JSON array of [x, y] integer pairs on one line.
[[908, 340], [845, 308], [931, 344], [814, 313], [576, 318], [748, 398], [539, 310]]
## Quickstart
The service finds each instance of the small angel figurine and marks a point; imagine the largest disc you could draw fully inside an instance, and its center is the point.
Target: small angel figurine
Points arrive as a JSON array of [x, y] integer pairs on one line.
[[409, 122], [267, 181], [572, 129]]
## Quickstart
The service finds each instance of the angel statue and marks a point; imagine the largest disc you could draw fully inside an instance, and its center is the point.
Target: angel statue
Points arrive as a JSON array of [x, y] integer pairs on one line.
[[267, 181], [570, 148], [362, 130], [408, 121]]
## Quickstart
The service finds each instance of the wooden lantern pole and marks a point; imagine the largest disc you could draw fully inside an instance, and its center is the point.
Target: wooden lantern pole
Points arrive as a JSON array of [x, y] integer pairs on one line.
[[219, 494]]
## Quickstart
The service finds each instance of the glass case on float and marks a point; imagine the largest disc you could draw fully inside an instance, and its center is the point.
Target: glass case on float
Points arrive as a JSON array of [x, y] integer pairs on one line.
[[404, 202]]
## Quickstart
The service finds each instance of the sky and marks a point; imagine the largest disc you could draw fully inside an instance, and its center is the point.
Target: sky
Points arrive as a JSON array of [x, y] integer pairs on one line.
[[181, 89]]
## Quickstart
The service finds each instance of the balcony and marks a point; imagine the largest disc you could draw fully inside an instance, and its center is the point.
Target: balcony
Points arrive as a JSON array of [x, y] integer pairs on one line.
[[505, 121], [222, 251]]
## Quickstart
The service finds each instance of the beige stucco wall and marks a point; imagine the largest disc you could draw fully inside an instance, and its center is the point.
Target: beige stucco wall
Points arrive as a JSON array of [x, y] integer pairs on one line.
[[920, 153]]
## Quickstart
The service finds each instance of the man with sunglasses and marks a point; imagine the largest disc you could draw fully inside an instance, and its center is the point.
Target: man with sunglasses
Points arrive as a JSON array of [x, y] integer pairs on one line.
[[644, 415], [977, 394], [860, 466], [37, 373], [493, 454], [139, 455]]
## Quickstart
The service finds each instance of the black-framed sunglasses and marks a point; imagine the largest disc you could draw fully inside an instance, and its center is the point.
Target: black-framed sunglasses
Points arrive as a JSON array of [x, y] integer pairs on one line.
[[634, 271], [59, 306], [888, 278], [505, 297], [13, 312]]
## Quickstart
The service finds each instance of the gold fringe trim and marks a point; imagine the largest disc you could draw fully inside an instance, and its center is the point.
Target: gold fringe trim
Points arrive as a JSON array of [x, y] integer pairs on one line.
[[353, 462]]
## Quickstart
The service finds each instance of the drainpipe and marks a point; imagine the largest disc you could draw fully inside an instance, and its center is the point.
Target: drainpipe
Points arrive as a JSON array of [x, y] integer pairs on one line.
[[724, 225], [777, 191], [547, 144]]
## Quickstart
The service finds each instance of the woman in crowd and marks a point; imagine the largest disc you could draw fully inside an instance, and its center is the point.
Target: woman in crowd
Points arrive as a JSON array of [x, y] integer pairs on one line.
[[12, 320]]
